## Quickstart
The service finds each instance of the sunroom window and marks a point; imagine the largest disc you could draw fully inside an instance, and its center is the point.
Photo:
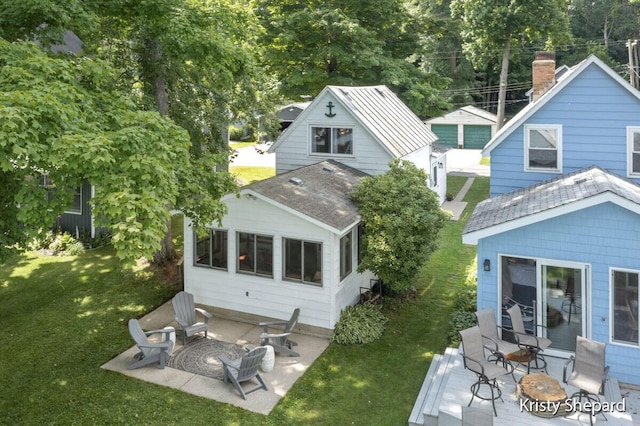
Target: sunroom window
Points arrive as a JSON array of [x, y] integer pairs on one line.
[[211, 248], [331, 140], [255, 254], [302, 261]]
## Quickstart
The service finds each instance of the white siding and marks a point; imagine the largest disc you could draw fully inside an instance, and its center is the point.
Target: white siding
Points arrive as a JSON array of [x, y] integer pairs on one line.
[[271, 297], [293, 149]]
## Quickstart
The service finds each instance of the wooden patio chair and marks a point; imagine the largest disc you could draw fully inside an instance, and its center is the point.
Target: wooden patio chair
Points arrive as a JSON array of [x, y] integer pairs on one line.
[[280, 341], [185, 310], [149, 352], [244, 369]]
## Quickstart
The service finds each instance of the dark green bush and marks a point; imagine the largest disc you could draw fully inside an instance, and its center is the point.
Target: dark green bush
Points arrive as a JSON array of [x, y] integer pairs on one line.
[[359, 324], [235, 133], [465, 302]]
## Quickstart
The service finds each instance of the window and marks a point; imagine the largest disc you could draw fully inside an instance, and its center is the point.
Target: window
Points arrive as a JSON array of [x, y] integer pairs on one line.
[[633, 151], [47, 183], [255, 254], [211, 249], [329, 140], [302, 261], [624, 298], [346, 263], [76, 207], [543, 147]]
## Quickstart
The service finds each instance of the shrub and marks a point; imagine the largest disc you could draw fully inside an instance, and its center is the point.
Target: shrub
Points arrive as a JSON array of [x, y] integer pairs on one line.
[[42, 241], [235, 133], [64, 244], [359, 324], [463, 316]]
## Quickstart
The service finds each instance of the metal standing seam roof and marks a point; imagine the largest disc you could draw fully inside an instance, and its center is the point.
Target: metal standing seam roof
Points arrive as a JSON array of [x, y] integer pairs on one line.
[[320, 191], [560, 191], [386, 117]]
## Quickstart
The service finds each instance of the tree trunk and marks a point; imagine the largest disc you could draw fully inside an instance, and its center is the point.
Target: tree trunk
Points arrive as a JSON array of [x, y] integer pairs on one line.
[[167, 252], [502, 93]]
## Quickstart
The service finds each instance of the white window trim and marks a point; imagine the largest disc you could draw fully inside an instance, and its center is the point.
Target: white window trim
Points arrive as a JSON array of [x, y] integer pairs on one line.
[[630, 131], [527, 129], [329, 154], [612, 303]]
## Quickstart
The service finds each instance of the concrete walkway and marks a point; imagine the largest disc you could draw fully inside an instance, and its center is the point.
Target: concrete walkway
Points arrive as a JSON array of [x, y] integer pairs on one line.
[[287, 369]]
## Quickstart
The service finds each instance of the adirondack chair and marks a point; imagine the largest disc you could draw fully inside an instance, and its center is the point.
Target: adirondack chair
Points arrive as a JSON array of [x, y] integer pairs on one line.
[[243, 369], [185, 309], [149, 352], [280, 341]]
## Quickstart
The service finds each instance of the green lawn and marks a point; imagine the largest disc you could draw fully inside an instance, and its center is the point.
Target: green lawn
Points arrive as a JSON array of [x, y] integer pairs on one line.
[[63, 317], [250, 174]]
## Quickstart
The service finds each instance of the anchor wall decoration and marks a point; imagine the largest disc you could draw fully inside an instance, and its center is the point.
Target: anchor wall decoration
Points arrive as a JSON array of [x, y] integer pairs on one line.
[[330, 114]]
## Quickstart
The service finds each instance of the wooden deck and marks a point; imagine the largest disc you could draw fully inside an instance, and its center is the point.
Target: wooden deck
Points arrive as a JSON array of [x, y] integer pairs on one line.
[[446, 390]]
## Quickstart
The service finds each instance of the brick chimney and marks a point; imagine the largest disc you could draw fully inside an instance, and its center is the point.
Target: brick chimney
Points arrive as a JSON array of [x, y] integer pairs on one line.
[[544, 73]]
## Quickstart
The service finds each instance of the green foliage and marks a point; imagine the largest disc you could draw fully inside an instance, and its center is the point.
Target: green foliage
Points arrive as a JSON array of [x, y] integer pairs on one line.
[[235, 133], [65, 245], [402, 220], [66, 117], [359, 324], [465, 305], [310, 45]]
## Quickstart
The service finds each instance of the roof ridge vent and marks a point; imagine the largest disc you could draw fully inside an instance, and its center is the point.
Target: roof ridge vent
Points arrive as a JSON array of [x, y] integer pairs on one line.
[[329, 169], [581, 179], [295, 181]]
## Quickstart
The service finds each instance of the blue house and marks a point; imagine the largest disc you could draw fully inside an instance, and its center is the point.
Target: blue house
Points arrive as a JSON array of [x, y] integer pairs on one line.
[[561, 229]]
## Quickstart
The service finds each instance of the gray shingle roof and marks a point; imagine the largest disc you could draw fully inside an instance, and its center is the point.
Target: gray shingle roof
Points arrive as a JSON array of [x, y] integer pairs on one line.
[[322, 194], [386, 117], [557, 192]]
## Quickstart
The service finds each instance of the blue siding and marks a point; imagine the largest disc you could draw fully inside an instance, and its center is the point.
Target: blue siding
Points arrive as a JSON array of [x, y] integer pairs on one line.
[[594, 111], [602, 236]]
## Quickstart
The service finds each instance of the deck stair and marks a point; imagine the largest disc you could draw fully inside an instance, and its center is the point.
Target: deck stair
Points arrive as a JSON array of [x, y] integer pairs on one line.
[[425, 409]]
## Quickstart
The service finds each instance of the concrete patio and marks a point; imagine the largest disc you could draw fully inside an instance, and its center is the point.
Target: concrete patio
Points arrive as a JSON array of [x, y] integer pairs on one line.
[[287, 369]]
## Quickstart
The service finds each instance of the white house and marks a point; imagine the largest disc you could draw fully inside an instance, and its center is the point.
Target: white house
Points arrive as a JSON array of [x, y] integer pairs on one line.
[[362, 127], [293, 241], [286, 242]]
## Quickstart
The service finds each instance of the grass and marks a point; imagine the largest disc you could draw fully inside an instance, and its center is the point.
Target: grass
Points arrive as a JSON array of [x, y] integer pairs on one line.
[[236, 145], [250, 174], [63, 317]]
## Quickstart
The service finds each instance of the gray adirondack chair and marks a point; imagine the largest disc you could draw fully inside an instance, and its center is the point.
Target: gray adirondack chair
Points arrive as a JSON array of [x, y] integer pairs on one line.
[[280, 341], [150, 352], [185, 310], [244, 369]]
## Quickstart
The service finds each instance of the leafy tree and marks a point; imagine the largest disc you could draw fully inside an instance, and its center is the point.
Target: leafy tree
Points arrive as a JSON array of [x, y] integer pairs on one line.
[[311, 44], [66, 118], [493, 26], [402, 220]]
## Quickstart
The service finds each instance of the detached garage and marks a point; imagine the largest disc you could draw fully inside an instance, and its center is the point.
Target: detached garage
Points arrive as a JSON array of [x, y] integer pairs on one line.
[[468, 127]]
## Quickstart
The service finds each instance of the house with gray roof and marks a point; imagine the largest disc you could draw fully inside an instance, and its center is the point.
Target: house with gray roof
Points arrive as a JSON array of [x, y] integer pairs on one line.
[[561, 230], [293, 240], [362, 127], [468, 127]]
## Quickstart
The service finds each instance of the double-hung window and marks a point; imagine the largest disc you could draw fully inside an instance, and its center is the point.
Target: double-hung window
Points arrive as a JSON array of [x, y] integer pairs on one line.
[[211, 249], [331, 140], [255, 254], [302, 261], [624, 301], [346, 256], [633, 151], [543, 147]]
